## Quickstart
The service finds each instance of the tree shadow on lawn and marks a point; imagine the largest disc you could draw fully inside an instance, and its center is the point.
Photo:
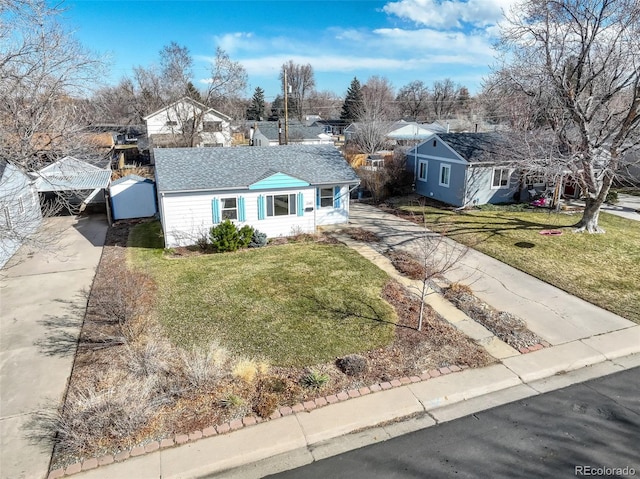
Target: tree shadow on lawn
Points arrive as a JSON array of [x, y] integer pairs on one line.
[[492, 227], [342, 313]]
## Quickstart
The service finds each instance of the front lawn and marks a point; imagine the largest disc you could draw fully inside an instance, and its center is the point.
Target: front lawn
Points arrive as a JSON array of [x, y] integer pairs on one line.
[[293, 305], [602, 269]]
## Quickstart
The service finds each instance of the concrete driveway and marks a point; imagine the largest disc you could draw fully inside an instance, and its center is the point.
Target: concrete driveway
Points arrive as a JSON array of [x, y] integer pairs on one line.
[[554, 315], [42, 304]]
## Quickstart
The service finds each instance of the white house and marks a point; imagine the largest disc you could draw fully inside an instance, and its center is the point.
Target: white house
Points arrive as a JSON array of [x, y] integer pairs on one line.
[[20, 214], [278, 190], [188, 123]]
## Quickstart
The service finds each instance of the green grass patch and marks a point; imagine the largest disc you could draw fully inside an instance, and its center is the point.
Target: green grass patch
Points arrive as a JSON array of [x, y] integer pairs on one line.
[[601, 268], [294, 305]]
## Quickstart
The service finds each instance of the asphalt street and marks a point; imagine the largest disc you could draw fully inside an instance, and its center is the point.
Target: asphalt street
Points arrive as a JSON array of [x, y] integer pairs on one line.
[[590, 429]]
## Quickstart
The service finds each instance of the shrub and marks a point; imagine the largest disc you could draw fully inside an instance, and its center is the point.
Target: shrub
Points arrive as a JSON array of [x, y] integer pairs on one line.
[[203, 368], [248, 369], [231, 401], [315, 379], [352, 365], [258, 239], [203, 243], [612, 197], [266, 404], [457, 291], [226, 237]]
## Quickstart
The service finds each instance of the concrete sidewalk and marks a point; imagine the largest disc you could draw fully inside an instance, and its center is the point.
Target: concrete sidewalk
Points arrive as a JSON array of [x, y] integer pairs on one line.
[[585, 342], [41, 312]]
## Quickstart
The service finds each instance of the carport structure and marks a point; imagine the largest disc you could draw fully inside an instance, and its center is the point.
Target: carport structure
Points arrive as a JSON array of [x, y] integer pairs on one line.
[[75, 183]]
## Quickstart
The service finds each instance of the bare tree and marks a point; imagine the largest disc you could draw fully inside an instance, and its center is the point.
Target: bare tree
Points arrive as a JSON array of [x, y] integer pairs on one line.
[[444, 98], [378, 99], [438, 255], [226, 85], [414, 101], [301, 81], [575, 65], [324, 103]]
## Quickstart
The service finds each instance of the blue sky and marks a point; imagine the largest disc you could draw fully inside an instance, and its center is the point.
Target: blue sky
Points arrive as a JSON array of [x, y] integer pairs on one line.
[[402, 40]]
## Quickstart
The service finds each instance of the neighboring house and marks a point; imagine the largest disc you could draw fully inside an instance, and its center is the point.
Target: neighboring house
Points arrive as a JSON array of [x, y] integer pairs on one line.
[[279, 191], [405, 133], [132, 196], [273, 132], [463, 169], [20, 214], [188, 123]]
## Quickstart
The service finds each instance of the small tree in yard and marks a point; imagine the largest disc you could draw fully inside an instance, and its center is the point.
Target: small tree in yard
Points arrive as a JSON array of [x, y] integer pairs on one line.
[[226, 236], [437, 255]]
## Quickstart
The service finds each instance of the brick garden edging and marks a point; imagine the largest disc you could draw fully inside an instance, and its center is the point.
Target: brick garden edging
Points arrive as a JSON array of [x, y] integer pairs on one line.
[[247, 421]]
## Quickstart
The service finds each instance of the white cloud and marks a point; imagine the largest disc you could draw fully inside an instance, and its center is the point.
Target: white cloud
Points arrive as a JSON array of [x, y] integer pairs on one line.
[[449, 13], [235, 41]]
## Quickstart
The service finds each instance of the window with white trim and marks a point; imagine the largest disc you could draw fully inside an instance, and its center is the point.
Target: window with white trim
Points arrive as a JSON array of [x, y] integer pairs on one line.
[[445, 175], [171, 123], [229, 208], [281, 205], [500, 178], [326, 197], [422, 170]]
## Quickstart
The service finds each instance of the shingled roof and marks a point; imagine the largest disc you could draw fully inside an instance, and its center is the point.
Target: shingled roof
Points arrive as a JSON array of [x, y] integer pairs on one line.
[[475, 147], [198, 169]]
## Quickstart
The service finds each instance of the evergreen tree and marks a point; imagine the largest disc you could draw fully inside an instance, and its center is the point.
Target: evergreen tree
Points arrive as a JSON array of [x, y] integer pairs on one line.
[[277, 109], [256, 110], [352, 107], [192, 92]]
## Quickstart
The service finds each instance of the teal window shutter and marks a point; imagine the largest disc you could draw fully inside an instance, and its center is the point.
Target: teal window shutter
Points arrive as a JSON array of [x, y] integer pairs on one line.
[[241, 214], [300, 204], [317, 197], [215, 210], [336, 197], [260, 207]]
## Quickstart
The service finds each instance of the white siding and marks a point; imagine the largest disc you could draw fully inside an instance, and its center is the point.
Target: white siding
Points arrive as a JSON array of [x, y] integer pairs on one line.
[[332, 216], [20, 214], [188, 216]]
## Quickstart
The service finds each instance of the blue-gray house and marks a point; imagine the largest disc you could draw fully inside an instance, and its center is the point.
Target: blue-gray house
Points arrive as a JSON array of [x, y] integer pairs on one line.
[[463, 169]]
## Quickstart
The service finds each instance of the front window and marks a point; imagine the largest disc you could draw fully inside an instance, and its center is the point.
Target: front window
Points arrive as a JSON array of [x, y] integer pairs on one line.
[[211, 126], [281, 205], [422, 170], [171, 123], [500, 178], [445, 175], [229, 208], [326, 197]]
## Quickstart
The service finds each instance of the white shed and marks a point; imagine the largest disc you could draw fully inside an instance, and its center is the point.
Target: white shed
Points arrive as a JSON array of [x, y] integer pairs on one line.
[[133, 196]]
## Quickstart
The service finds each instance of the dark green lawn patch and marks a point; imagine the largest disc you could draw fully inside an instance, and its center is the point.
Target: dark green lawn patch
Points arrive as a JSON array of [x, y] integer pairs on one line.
[[294, 305], [601, 268]]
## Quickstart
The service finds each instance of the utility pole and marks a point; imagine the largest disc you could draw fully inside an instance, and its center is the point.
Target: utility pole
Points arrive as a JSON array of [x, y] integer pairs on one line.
[[286, 111]]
